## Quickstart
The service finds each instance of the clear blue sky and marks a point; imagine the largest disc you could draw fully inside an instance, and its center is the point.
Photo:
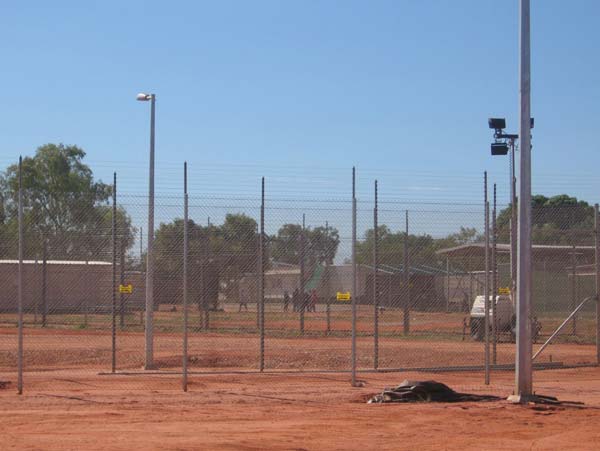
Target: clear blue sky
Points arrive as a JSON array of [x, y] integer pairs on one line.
[[301, 89]]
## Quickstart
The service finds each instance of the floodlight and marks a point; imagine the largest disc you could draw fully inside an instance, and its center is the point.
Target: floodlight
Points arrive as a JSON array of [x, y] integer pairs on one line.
[[497, 123], [143, 97], [499, 148]]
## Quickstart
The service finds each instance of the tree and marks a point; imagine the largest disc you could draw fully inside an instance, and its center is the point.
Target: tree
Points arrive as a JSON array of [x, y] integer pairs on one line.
[[321, 244], [66, 211], [560, 219], [391, 248], [230, 248]]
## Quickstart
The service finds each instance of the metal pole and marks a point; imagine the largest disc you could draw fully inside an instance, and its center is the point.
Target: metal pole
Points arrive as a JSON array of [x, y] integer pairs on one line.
[[205, 266], [375, 285], [573, 290], [494, 282], [328, 287], [406, 274], [447, 284], [114, 278], [261, 281], [149, 330], [597, 270], [302, 304], [559, 328], [20, 285], [487, 284], [44, 282], [513, 222], [523, 376], [184, 381], [354, 293]]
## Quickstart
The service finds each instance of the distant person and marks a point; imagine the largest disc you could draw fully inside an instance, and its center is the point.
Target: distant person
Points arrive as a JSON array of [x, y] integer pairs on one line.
[[243, 301], [312, 306], [296, 300], [286, 301]]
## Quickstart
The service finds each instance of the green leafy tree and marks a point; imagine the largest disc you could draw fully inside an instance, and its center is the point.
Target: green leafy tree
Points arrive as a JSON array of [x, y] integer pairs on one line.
[[66, 211], [560, 219], [321, 244]]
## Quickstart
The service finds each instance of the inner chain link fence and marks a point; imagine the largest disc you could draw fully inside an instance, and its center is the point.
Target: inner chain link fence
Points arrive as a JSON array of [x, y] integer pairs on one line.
[[284, 302]]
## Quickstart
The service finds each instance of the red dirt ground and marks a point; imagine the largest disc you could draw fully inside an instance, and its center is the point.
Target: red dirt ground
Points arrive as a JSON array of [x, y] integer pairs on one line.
[[68, 405], [75, 410]]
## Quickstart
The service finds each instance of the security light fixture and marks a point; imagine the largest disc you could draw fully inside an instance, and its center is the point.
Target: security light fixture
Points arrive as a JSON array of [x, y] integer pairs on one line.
[[497, 123], [499, 148]]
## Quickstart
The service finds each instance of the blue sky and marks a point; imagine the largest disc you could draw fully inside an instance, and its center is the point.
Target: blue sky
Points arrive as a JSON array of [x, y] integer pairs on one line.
[[300, 91]]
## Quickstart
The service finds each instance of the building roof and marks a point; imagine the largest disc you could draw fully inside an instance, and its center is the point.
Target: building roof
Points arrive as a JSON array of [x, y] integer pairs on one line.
[[539, 250]]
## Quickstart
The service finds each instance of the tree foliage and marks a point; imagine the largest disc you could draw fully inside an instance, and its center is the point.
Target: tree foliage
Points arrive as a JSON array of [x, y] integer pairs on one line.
[[560, 219], [321, 244], [65, 209]]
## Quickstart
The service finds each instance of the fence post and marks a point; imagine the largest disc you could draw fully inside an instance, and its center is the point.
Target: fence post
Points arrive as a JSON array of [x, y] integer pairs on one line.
[[597, 270], [301, 303], [375, 286], [573, 288], [407, 300], [494, 283], [328, 288], [44, 281], [354, 293], [261, 282], [184, 381], [487, 284], [114, 278], [20, 285]]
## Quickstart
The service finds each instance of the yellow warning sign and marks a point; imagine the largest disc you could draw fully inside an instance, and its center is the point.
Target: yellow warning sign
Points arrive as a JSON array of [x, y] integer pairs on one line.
[[343, 296], [126, 288], [503, 290]]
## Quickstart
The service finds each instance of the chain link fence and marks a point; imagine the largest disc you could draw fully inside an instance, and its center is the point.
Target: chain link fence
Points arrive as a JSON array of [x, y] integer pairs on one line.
[[269, 286]]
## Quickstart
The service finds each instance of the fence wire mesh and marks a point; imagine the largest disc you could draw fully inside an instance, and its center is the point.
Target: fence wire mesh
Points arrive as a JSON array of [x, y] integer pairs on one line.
[[420, 281]]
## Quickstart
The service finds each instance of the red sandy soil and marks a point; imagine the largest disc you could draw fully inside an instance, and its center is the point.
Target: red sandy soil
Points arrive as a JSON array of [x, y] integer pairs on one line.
[[67, 404], [81, 410]]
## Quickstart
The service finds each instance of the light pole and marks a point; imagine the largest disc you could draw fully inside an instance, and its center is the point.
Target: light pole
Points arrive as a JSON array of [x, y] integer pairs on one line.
[[149, 336], [523, 376]]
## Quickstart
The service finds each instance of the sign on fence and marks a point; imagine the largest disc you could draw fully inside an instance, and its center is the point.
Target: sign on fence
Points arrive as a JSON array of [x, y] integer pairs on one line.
[[503, 290], [126, 289], [343, 296]]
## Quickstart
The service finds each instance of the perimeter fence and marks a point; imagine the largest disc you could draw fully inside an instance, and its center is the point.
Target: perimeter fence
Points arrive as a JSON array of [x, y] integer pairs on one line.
[[284, 284]]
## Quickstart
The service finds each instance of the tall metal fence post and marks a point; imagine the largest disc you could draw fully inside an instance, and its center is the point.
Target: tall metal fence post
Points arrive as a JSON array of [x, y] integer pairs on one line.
[[447, 284], [494, 282], [354, 294], [573, 290], [184, 363], [406, 273], [301, 300], [597, 271], [261, 280], [44, 281], [20, 285], [487, 284], [375, 285], [114, 278], [327, 291]]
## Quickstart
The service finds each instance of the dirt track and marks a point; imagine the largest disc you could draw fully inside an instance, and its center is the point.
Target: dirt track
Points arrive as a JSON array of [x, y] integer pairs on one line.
[[81, 410]]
